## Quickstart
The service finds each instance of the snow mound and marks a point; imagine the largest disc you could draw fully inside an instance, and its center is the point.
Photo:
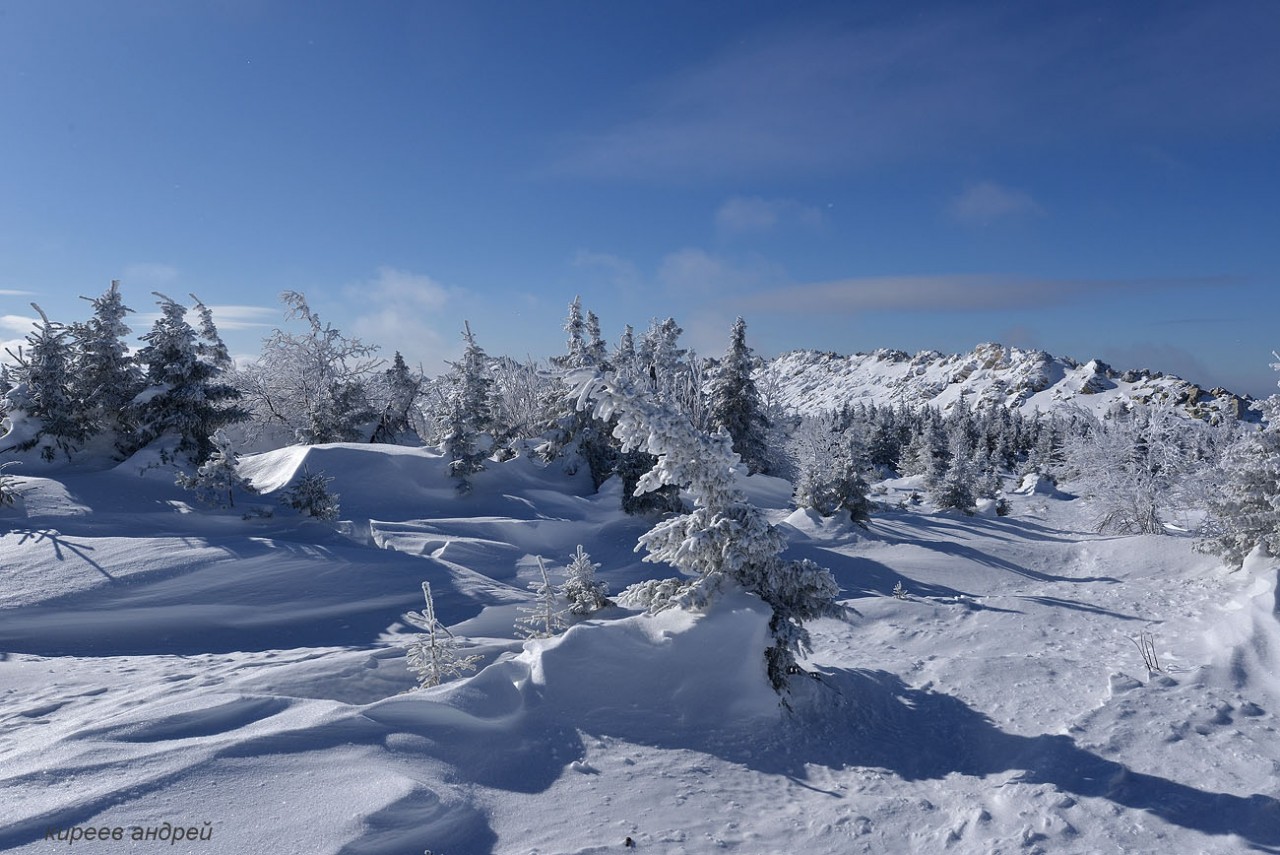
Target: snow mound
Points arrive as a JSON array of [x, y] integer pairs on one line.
[[640, 677], [395, 482]]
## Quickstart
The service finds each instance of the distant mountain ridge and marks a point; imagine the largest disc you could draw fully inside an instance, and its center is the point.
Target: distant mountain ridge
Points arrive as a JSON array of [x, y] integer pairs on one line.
[[808, 381]]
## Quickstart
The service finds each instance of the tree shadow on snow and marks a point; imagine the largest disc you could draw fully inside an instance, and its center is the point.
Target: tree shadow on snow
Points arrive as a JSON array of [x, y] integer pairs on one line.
[[863, 577], [872, 719]]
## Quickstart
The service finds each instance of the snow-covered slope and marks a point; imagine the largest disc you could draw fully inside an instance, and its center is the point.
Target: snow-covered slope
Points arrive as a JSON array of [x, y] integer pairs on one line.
[[163, 666], [808, 381]]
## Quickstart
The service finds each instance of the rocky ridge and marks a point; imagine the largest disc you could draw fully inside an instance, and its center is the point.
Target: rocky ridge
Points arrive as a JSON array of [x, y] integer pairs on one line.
[[808, 381]]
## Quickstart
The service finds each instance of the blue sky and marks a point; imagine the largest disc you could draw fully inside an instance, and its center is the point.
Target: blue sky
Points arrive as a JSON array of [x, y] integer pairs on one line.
[[1093, 179]]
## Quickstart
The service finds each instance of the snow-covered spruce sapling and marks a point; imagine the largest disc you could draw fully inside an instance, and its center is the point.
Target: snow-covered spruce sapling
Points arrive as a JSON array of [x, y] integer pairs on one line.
[[544, 618], [584, 593], [466, 424], [312, 496], [434, 654], [218, 478], [8, 493]]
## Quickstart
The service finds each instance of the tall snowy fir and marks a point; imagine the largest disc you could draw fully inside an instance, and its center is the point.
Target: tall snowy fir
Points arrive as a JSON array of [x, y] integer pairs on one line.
[[399, 390], [734, 402], [106, 378], [42, 408], [185, 398]]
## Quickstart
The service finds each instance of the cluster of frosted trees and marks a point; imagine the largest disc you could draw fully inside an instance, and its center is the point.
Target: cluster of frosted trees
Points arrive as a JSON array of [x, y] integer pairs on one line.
[[77, 387]]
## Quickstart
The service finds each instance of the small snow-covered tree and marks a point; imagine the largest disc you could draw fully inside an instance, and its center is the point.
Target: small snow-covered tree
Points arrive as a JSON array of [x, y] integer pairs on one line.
[[468, 418], [434, 655], [725, 539], [955, 490], [8, 487], [544, 618], [311, 495], [584, 593], [734, 402], [217, 479]]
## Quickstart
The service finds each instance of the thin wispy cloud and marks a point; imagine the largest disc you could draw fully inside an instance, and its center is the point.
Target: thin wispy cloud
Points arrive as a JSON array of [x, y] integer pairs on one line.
[[696, 272], [12, 293], [959, 293], [753, 214], [841, 95], [17, 325], [619, 272], [985, 202], [401, 312], [244, 317]]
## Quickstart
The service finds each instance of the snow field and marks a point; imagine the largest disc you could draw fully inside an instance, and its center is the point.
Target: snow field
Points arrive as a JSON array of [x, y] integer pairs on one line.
[[163, 664]]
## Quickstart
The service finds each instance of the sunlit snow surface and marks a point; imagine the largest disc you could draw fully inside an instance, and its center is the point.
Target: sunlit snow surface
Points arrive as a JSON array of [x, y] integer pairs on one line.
[[164, 663]]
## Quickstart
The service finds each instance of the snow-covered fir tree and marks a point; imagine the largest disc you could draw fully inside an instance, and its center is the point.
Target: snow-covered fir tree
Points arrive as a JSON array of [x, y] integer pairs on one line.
[[926, 453], [106, 378], [581, 589], [185, 399], [544, 617], [435, 654], [734, 402], [597, 351], [42, 408], [625, 361], [725, 540], [575, 346], [573, 434], [468, 419], [216, 480], [661, 359], [312, 496], [955, 490], [398, 391]]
